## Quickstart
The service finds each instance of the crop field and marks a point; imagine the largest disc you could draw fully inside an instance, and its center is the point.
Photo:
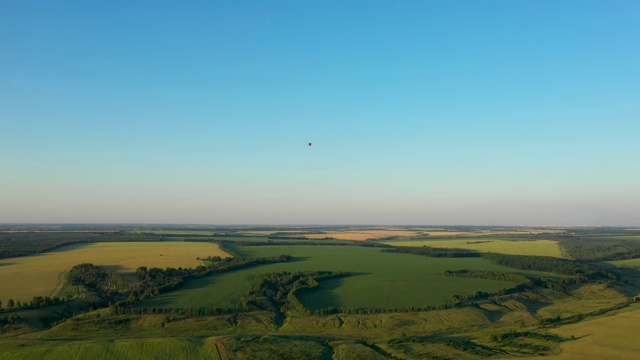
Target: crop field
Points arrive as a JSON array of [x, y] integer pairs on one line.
[[178, 232], [360, 235], [379, 280], [535, 247], [23, 278], [613, 337], [487, 232], [162, 348]]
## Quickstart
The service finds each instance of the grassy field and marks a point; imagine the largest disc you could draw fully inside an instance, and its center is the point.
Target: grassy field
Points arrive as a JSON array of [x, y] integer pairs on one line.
[[360, 235], [134, 349], [380, 280], [612, 337], [178, 232], [42, 275], [535, 247], [631, 263]]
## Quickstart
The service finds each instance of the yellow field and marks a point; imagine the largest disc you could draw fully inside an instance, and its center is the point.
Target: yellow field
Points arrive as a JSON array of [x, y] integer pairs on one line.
[[611, 337], [42, 275], [537, 247], [361, 235]]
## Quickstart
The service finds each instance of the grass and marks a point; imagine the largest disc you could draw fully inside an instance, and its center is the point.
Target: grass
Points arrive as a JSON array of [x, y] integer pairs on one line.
[[360, 235], [591, 298], [380, 280], [41, 275], [612, 337], [351, 351], [535, 247], [272, 348], [630, 263], [386, 325], [177, 232], [490, 232], [135, 349]]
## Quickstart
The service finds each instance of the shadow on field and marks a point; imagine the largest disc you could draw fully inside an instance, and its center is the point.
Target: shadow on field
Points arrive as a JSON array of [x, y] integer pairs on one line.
[[118, 268], [299, 259], [325, 295]]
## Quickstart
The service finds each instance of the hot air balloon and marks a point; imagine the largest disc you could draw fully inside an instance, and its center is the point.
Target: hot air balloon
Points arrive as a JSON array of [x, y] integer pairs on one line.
[[310, 144]]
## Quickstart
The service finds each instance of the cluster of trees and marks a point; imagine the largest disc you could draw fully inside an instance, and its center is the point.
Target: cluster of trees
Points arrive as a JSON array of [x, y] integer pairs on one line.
[[601, 249], [118, 309], [36, 302], [10, 320], [550, 264], [278, 291], [107, 282], [156, 281], [510, 335], [433, 252]]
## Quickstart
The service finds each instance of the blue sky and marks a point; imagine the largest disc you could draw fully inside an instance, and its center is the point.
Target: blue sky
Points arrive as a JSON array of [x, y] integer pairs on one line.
[[420, 112]]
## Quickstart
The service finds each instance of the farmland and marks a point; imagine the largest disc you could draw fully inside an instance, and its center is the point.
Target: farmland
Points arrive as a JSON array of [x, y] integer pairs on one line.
[[166, 348], [610, 336], [532, 247], [41, 275], [283, 295], [380, 280]]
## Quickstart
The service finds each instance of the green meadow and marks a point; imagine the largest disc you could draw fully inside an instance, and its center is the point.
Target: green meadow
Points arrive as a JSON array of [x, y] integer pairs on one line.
[[125, 349], [510, 247], [379, 280]]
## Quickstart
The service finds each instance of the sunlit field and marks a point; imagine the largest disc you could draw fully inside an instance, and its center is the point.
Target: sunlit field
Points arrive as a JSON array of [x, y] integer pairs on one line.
[[492, 232], [359, 235], [632, 263], [23, 278], [380, 280], [178, 232], [535, 247], [126, 349], [612, 337]]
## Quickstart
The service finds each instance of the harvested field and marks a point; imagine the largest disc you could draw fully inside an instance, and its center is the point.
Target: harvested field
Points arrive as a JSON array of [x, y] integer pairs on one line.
[[42, 275], [537, 247]]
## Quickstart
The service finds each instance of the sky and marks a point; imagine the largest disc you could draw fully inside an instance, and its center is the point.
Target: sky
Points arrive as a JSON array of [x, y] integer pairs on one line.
[[419, 112]]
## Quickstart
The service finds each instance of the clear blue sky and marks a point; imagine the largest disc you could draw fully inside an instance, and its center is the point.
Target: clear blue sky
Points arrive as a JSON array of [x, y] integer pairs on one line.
[[420, 112]]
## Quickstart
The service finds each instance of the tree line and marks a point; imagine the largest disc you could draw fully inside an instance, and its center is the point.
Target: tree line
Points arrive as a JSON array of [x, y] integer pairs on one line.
[[551, 264], [433, 252]]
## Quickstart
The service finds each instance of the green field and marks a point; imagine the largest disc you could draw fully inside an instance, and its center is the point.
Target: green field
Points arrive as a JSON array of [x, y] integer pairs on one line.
[[380, 280], [177, 232], [134, 349], [630, 263], [532, 247]]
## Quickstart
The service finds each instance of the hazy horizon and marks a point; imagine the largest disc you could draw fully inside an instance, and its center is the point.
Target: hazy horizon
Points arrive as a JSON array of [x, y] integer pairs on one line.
[[495, 112]]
